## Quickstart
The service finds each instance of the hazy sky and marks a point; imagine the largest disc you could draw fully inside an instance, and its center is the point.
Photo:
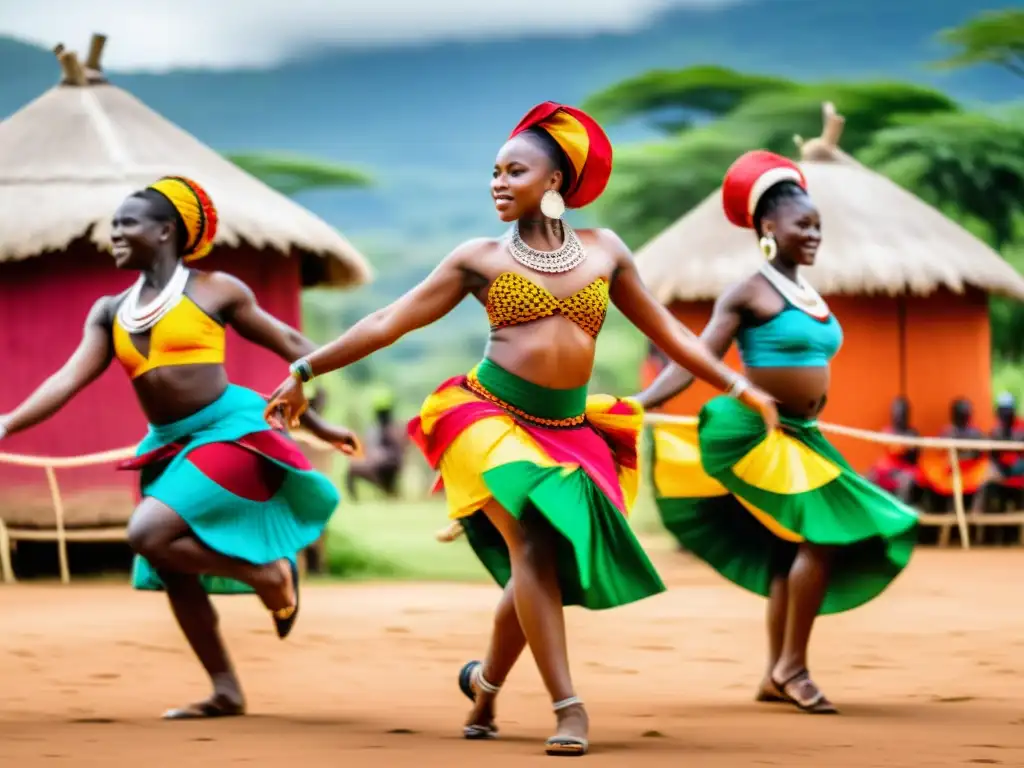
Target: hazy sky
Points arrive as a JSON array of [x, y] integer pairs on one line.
[[157, 34]]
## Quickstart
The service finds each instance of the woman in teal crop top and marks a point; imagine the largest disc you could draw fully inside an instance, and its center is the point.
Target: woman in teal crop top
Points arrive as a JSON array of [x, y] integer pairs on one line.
[[781, 514]]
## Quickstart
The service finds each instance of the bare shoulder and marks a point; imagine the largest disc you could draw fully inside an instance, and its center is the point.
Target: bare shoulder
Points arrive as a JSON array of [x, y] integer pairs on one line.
[[105, 308], [608, 240], [467, 253], [220, 281], [740, 294]]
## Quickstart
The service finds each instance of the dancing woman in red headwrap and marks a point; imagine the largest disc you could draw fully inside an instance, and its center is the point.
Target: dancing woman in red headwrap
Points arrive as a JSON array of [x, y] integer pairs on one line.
[[540, 475], [781, 514]]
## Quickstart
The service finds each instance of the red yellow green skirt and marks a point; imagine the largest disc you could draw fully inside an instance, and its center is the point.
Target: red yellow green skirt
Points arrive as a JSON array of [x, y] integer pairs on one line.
[[743, 501], [559, 454]]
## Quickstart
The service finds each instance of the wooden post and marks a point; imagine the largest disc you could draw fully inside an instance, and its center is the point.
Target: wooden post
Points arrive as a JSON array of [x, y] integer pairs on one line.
[[58, 511], [94, 59], [958, 499], [73, 72]]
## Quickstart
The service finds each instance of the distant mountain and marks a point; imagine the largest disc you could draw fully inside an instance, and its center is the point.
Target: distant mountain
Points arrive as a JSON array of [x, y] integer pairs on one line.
[[426, 120]]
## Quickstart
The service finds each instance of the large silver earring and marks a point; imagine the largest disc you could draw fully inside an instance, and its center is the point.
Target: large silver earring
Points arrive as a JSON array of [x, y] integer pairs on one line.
[[552, 205], [769, 247]]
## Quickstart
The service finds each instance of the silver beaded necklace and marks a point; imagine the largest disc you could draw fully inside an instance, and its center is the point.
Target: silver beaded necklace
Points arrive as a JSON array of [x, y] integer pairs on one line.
[[570, 254]]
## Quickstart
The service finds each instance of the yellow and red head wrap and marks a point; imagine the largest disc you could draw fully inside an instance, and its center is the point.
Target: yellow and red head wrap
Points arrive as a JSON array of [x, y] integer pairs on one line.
[[749, 177], [196, 211], [584, 143]]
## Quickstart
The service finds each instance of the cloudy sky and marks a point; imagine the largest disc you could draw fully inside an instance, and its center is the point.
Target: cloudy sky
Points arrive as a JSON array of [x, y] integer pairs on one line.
[[158, 34]]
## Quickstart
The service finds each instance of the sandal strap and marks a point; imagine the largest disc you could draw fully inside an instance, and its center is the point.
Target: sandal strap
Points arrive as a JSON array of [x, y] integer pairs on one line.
[[805, 675]]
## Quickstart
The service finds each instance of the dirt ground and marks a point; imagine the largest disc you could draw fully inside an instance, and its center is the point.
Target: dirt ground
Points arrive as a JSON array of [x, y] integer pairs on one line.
[[928, 675]]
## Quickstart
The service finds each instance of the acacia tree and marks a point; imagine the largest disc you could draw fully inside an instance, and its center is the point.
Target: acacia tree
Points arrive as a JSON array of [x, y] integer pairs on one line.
[[991, 37], [968, 164], [291, 174], [710, 116]]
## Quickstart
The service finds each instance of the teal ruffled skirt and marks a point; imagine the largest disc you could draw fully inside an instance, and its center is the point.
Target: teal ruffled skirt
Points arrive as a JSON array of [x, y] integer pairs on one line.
[[246, 491]]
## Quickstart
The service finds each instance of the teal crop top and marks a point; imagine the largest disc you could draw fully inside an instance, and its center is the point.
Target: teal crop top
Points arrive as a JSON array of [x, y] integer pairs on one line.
[[791, 339]]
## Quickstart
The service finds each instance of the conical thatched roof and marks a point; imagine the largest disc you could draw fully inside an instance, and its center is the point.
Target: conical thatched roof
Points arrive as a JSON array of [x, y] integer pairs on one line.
[[69, 158], [879, 238]]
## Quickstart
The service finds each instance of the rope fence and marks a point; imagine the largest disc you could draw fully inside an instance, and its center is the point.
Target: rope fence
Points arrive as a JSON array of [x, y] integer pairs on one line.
[[60, 533], [50, 465]]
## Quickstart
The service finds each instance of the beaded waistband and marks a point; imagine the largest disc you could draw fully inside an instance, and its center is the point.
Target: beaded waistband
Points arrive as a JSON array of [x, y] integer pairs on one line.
[[526, 400]]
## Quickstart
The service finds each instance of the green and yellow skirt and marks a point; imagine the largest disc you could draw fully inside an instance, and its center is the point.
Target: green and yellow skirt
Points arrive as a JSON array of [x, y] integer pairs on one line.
[[570, 458], [743, 500]]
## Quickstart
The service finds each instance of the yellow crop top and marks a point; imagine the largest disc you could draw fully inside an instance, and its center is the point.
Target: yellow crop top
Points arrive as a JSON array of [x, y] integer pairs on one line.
[[513, 299], [186, 335]]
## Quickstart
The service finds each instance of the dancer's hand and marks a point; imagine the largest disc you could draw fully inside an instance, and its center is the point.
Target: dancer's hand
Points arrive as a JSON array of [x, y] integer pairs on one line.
[[287, 404], [763, 403]]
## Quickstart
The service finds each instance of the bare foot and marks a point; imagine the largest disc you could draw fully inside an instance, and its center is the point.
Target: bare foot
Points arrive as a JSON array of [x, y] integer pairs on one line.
[[275, 587], [571, 736]]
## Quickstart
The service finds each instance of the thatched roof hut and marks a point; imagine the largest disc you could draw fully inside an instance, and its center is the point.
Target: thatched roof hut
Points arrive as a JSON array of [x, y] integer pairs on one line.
[[909, 285], [879, 239], [68, 158]]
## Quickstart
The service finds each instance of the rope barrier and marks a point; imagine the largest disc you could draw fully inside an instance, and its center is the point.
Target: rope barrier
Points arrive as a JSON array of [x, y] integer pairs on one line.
[[52, 463]]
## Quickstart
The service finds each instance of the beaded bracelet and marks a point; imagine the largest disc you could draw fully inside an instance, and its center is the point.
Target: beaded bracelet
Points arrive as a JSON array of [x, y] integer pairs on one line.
[[302, 370]]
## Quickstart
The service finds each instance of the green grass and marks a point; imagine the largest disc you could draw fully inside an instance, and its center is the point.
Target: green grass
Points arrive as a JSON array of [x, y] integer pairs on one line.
[[395, 540], [381, 539]]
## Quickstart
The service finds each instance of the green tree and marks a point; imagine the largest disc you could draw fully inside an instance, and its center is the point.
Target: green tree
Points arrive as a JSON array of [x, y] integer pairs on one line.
[[963, 163], [991, 37], [657, 182], [688, 95], [291, 174]]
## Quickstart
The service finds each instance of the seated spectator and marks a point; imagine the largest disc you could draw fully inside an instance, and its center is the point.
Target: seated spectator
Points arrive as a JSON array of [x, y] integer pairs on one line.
[[897, 470], [937, 471], [1004, 484]]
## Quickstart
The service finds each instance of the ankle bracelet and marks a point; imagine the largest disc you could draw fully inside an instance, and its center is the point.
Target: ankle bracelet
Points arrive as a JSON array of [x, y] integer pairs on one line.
[[565, 703], [483, 684]]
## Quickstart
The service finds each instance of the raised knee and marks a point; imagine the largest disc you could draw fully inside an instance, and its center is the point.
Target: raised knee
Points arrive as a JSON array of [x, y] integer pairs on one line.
[[145, 540]]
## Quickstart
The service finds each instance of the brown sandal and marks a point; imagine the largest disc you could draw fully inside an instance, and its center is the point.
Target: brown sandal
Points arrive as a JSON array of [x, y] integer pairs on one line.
[[816, 705]]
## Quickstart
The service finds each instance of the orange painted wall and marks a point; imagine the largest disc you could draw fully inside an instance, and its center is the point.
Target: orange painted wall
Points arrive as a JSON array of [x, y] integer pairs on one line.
[[948, 355], [932, 349]]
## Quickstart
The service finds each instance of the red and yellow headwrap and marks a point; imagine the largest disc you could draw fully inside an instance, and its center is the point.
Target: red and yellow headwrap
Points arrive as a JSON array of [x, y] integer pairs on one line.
[[749, 177], [196, 210], [584, 143]]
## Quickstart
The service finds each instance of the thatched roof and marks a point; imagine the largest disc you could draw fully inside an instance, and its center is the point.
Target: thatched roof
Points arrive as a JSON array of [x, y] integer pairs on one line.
[[879, 239], [68, 159]]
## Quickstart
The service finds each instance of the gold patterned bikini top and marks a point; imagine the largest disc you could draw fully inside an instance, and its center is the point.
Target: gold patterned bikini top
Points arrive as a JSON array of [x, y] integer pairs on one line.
[[513, 299]]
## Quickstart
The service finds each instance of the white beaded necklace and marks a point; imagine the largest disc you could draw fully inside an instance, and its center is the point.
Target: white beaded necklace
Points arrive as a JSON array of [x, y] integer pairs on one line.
[[569, 255], [139, 319], [800, 293]]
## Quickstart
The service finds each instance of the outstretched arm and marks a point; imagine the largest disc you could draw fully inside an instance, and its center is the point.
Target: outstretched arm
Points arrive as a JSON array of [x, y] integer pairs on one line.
[[439, 293], [718, 336], [255, 324], [89, 360], [631, 296]]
